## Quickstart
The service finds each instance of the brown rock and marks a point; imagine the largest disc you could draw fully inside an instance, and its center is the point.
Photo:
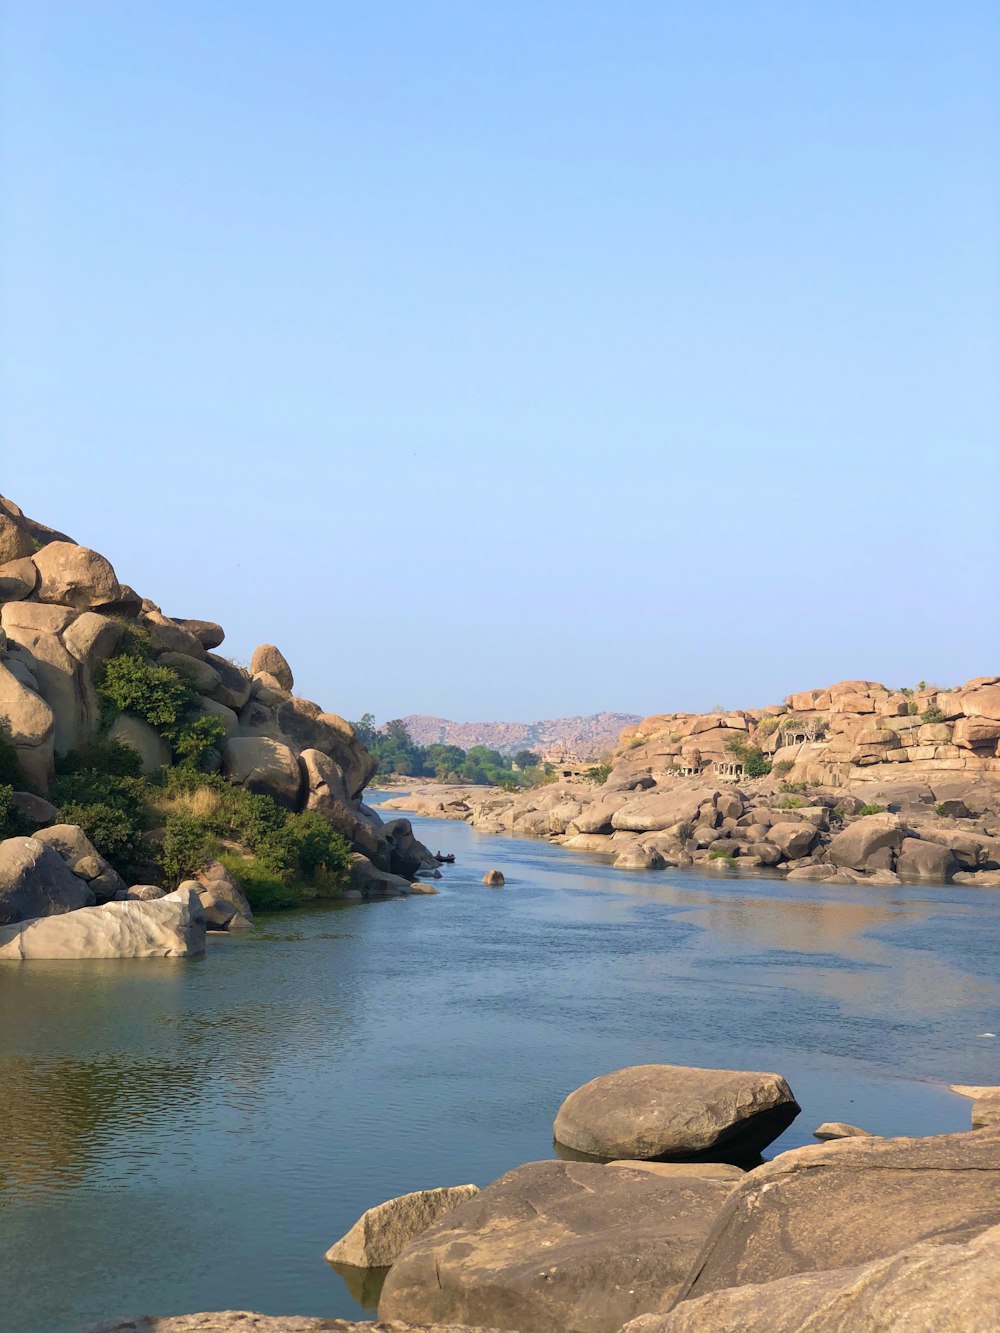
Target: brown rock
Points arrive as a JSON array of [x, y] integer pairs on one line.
[[381, 1234], [675, 1111], [494, 879], [267, 658], [556, 1245], [74, 576]]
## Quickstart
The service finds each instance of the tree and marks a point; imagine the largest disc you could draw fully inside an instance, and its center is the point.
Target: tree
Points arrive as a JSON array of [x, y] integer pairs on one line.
[[365, 729], [527, 759]]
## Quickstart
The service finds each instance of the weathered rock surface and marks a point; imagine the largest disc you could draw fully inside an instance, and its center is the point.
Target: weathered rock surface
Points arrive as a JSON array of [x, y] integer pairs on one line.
[[271, 661], [263, 765], [839, 1129], [849, 1202], [556, 1245], [935, 1286], [986, 1112], [380, 1235], [494, 879], [649, 1111], [247, 1321], [171, 927], [74, 576], [139, 736], [35, 881]]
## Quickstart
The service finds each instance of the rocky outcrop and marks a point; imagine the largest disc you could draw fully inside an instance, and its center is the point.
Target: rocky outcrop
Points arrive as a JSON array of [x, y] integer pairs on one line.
[[556, 1245], [270, 661], [170, 927], [649, 1111], [850, 1202], [944, 1286], [247, 1321], [35, 881], [381, 1234]]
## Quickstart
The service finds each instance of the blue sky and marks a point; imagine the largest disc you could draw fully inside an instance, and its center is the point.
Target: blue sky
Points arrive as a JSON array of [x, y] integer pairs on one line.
[[515, 360]]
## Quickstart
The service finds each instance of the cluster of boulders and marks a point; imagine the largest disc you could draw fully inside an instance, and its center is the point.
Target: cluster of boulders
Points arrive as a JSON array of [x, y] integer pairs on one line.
[[63, 614], [659, 1230], [645, 818]]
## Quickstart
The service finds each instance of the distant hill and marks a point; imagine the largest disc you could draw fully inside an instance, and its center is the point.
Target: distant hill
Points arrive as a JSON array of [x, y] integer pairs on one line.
[[589, 737]]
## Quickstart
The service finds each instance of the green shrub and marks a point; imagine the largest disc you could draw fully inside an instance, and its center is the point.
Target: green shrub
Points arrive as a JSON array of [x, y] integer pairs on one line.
[[767, 726], [324, 856], [912, 707], [755, 763], [722, 856], [10, 764], [840, 811], [871, 810], [791, 803], [157, 694], [636, 741], [265, 891], [185, 847], [941, 809], [791, 786], [736, 746], [12, 823], [196, 739], [932, 714], [598, 775], [782, 767], [109, 828]]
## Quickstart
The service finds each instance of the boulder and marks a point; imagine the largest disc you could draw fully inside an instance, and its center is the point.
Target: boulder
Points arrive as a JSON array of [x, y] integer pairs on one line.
[[139, 736], [207, 632], [263, 765], [931, 1287], [381, 1234], [924, 860], [494, 879], [839, 1129], [556, 1245], [233, 689], [851, 1201], [30, 724], [248, 1321], [216, 879], [172, 927], [370, 882], [869, 843], [17, 579], [33, 808], [63, 682], [202, 675], [83, 858], [407, 854], [209, 707], [640, 857], [92, 639], [75, 576], [985, 1112], [35, 881], [145, 893], [792, 839], [167, 636], [270, 660], [673, 1170], [675, 1111], [15, 542]]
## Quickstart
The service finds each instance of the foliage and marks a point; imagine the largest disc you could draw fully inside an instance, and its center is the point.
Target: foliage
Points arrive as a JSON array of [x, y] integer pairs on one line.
[[871, 810], [790, 786], [109, 828], [840, 811], [722, 856], [598, 775], [791, 803], [736, 746], [398, 753], [185, 847], [932, 714], [912, 707], [527, 759], [756, 763], [767, 726], [10, 764], [196, 739], [12, 823], [636, 741], [782, 767], [265, 891], [100, 787], [157, 694], [905, 689]]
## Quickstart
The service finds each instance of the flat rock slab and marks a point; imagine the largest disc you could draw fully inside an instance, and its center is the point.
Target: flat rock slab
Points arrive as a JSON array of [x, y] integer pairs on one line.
[[675, 1111], [677, 1170], [380, 1234], [933, 1287], [169, 927], [840, 1129], [246, 1321], [569, 1246], [852, 1201]]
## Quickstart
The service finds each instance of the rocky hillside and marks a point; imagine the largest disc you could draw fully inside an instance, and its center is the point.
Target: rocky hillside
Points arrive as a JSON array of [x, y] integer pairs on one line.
[[850, 782], [92, 672], [588, 737]]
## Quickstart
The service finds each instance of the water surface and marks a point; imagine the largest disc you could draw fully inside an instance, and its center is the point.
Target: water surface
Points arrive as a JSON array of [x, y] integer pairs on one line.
[[186, 1135]]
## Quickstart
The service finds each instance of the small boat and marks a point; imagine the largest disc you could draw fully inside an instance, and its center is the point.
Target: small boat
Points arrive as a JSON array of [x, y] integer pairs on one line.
[[445, 860]]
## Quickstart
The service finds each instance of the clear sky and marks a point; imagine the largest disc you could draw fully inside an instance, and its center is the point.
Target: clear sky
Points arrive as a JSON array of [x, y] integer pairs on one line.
[[509, 360]]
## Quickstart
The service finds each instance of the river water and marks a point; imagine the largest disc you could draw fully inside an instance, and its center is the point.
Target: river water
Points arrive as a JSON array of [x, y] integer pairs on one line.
[[184, 1135]]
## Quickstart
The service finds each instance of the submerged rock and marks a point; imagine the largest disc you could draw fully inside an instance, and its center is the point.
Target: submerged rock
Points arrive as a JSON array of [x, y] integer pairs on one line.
[[556, 1245], [494, 879], [383, 1232], [674, 1111], [840, 1129]]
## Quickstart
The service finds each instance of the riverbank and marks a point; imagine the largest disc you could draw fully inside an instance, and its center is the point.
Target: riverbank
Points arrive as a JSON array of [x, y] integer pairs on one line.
[[877, 833], [252, 1105]]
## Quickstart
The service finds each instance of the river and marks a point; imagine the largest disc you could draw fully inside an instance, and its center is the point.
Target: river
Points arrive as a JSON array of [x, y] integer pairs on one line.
[[185, 1135]]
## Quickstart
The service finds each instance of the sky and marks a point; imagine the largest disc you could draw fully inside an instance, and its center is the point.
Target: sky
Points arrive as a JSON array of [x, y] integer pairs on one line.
[[509, 361]]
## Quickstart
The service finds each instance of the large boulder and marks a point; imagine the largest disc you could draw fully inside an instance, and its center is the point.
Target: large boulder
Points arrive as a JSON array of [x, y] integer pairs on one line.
[[556, 1245], [83, 858], [263, 765], [17, 578], [202, 676], [326, 792], [851, 1201], [170, 927], [207, 632], [924, 860], [74, 576], [139, 736], [931, 1287], [30, 724], [270, 660], [869, 843], [233, 689], [15, 541], [673, 1111], [369, 881], [380, 1235], [35, 881], [407, 854], [792, 839]]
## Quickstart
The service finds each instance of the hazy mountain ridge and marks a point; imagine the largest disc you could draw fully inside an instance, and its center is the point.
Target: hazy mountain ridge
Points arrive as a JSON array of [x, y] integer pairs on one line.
[[589, 737]]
